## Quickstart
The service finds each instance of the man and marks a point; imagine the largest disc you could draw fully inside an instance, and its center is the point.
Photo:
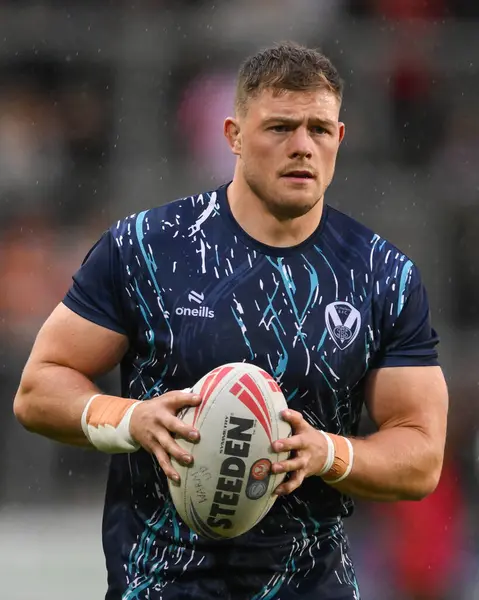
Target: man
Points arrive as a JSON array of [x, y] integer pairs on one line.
[[338, 315]]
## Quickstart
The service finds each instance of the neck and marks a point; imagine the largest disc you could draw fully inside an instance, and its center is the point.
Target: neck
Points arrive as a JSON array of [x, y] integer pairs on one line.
[[253, 216]]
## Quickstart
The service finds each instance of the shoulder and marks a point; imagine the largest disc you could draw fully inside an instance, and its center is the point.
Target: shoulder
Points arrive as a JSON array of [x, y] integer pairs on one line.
[[181, 217], [383, 258]]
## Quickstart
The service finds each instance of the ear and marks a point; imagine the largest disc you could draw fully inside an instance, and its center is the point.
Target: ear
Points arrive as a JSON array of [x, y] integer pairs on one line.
[[342, 131], [232, 132]]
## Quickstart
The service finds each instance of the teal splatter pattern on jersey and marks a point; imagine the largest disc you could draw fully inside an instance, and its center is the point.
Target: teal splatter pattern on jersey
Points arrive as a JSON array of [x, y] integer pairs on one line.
[[192, 291]]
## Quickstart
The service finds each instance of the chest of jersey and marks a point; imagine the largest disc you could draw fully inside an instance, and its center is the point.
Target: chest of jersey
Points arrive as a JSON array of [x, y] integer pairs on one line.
[[302, 318]]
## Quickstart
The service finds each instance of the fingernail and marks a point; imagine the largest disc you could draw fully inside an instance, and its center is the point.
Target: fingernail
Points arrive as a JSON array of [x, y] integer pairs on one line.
[[278, 468], [196, 397], [186, 459], [193, 435], [286, 413], [279, 446], [176, 478]]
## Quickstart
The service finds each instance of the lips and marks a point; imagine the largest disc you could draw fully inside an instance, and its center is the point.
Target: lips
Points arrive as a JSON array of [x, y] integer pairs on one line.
[[299, 174]]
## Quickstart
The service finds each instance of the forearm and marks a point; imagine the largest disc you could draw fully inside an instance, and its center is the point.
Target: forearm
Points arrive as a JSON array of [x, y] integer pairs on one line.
[[392, 464], [50, 401]]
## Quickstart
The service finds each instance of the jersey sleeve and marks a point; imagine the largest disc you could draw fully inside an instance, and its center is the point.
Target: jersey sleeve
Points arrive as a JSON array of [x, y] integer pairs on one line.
[[408, 338], [96, 292]]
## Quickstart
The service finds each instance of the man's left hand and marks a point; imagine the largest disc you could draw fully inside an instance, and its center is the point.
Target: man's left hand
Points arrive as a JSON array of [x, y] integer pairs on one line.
[[309, 451]]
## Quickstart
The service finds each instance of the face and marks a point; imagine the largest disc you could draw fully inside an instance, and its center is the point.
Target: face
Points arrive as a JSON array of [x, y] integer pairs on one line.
[[287, 146]]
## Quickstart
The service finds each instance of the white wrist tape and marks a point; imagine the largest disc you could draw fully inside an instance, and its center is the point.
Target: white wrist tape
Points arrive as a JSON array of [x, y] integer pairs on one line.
[[106, 423], [330, 456]]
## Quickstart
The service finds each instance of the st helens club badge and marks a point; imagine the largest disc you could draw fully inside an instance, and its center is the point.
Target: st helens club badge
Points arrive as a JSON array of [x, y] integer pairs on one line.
[[343, 322]]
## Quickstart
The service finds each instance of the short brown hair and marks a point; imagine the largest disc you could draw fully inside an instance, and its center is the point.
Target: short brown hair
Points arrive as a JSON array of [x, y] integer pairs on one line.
[[286, 66]]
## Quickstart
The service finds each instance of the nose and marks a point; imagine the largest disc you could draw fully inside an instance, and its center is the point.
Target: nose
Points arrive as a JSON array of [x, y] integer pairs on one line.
[[300, 144]]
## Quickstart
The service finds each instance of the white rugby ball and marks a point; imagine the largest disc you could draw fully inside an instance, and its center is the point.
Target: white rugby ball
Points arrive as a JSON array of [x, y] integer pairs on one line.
[[229, 488]]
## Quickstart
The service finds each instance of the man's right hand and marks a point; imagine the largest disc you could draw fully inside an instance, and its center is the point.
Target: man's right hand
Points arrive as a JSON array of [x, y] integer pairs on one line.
[[153, 424]]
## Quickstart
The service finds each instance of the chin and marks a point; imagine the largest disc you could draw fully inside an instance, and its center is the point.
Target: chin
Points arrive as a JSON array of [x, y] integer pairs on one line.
[[292, 209]]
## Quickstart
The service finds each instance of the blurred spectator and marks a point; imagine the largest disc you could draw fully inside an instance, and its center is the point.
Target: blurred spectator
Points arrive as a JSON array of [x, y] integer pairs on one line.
[[31, 281], [424, 541], [410, 9], [458, 182], [464, 9], [54, 137], [206, 101], [398, 9], [32, 152], [417, 107]]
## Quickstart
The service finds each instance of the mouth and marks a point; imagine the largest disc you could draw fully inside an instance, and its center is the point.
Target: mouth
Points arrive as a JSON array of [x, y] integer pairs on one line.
[[299, 174]]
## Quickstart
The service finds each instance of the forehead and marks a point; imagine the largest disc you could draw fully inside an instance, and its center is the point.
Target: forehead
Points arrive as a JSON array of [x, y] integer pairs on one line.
[[321, 104]]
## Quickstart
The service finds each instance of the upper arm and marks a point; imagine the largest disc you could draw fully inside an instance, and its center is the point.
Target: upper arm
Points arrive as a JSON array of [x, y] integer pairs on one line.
[[69, 340], [413, 397]]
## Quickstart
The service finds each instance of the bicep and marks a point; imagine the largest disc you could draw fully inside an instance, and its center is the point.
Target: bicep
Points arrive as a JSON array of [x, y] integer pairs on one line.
[[69, 340], [413, 397]]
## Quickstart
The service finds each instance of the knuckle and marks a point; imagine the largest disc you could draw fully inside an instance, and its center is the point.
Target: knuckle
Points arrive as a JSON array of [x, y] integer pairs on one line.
[[164, 440], [173, 449], [175, 425], [166, 421], [176, 452], [163, 461], [157, 417], [192, 401], [170, 473], [167, 443]]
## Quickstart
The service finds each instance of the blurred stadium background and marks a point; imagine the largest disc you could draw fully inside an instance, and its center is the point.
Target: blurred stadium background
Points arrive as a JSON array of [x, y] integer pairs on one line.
[[110, 107]]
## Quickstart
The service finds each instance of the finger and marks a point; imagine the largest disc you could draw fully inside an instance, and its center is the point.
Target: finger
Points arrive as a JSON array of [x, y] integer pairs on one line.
[[294, 418], [292, 484], [295, 442], [286, 466], [178, 427], [178, 399], [165, 464], [173, 449]]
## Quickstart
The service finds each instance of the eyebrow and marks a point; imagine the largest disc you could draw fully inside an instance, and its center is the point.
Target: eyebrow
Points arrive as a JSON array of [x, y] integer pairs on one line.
[[296, 121]]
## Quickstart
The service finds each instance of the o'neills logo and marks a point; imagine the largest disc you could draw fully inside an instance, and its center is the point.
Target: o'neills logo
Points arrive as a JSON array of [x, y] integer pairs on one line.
[[203, 311], [236, 447]]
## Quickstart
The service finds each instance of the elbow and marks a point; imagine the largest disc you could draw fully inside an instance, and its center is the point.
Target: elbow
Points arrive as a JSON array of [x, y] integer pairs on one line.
[[22, 409], [424, 483], [422, 489]]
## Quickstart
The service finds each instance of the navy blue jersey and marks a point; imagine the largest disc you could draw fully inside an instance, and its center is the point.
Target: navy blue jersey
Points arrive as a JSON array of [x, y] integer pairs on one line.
[[192, 291]]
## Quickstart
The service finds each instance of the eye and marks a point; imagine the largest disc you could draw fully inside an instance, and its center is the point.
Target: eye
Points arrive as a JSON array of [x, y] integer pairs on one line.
[[279, 128], [319, 130]]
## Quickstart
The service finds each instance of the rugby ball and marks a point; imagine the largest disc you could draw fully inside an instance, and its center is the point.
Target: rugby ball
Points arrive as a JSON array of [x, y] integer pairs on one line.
[[229, 488]]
